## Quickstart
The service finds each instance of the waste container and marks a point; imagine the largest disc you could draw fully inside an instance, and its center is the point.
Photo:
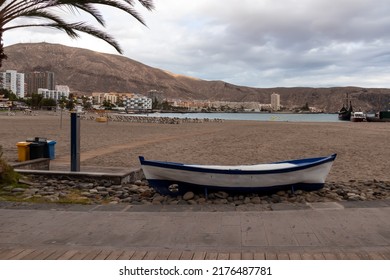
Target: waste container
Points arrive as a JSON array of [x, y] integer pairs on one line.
[[50, 149], [37, 150], [23, 151], [37, 147]]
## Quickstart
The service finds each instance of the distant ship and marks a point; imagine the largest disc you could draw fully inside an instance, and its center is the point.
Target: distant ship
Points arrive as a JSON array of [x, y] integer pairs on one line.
[[344, 113]]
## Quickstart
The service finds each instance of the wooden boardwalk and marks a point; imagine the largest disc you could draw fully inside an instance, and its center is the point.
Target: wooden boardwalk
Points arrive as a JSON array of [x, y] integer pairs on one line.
[[102, 254], [326, 231]]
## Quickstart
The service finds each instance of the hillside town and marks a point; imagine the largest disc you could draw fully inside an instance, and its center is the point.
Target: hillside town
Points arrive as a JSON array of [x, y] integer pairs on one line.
[[39, 90]]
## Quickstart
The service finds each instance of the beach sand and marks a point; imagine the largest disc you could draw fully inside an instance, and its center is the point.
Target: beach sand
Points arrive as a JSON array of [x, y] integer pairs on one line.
[[363, 149]]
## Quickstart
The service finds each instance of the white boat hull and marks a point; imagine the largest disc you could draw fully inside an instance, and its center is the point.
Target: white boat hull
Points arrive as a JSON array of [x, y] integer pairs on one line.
[[304, 174]]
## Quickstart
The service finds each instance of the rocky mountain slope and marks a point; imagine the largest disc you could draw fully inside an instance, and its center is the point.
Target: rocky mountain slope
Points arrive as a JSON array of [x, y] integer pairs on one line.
[[87, 71]]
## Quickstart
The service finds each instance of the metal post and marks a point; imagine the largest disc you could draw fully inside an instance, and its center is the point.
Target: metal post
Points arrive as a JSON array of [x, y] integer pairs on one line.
[[61, 119], [74, 142]]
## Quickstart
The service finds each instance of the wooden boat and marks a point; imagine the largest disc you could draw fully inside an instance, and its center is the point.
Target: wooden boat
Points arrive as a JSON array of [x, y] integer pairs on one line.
[[358, 117], [344, 113], [177, 178]]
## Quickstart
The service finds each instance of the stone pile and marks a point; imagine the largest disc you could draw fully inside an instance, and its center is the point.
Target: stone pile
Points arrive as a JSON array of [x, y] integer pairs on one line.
[[90, 191]]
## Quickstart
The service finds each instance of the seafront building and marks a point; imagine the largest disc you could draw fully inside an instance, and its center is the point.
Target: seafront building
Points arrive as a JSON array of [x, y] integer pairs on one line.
[[130, 101], [99, 97], [60, 91], [138, 102], [13, 81], [36, 80], [275, 101]]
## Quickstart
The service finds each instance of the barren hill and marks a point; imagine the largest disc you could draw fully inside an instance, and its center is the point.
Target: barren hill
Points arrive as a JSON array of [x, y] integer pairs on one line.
[[88, 71]]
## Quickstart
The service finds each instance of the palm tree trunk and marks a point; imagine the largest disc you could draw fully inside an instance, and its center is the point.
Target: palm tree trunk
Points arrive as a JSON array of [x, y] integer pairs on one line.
[[2, 54]]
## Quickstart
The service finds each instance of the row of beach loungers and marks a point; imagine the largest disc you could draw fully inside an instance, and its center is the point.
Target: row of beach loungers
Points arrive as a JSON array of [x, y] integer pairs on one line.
[[146, 119]]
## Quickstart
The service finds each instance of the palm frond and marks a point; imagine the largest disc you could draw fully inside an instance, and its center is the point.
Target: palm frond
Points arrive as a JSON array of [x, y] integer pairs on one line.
[[83, 27], [45, 10], [66, 28], [38, 14], [148, 4]]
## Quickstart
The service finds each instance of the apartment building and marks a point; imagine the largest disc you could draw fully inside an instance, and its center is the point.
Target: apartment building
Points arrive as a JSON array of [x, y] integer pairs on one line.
[[13, 81], [275, 101], [59, 92], [36, 80], [138, 102]]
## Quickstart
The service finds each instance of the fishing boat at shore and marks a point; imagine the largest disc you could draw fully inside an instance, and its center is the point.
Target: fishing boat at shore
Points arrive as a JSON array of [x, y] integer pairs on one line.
[[358, 117], [345, 113], [177, 178]]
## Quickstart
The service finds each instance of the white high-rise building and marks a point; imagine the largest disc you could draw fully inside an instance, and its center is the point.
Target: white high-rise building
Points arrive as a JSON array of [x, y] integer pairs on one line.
[[275, 101], [13, 81], [57, 94]]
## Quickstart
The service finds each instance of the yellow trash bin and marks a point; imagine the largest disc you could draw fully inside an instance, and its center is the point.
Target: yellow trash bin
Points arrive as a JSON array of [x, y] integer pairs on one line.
[[23, 151]]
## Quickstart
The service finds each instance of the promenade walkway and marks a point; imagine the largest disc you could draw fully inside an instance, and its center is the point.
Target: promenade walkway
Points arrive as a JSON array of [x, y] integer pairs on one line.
[[342, 230]]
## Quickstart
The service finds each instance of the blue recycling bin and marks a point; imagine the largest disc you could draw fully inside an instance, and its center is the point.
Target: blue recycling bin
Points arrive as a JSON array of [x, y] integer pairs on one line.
[[50, 149]]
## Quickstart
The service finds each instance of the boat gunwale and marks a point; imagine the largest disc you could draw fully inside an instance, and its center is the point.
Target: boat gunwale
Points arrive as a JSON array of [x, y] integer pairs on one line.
[[301, 165]]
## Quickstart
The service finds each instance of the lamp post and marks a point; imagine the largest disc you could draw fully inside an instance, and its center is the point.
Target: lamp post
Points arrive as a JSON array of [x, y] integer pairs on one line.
[[74, 142]]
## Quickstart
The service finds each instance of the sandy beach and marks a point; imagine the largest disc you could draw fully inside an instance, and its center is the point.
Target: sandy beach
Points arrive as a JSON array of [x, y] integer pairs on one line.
[[362, 148]]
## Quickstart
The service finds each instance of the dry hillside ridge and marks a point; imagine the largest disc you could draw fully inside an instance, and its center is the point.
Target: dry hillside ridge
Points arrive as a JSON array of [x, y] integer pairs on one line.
[[87, 71]]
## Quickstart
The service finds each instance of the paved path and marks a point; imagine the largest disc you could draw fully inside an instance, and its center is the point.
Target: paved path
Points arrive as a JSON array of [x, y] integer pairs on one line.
[[345, 230]]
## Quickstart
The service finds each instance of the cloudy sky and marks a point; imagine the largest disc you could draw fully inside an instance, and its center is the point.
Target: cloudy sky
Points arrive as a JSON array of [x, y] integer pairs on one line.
[[258, 43]]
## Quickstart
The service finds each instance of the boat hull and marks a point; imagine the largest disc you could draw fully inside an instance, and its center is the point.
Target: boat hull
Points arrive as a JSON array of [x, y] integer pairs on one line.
[[175, 178], [353, 119], [345, 116]]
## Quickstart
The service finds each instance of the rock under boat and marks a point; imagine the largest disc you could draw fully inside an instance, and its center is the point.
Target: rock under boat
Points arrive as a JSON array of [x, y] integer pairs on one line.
[[177, 178]]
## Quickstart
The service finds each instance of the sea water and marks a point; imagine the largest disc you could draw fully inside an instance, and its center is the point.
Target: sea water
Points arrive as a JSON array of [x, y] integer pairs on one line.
[[285, 117]]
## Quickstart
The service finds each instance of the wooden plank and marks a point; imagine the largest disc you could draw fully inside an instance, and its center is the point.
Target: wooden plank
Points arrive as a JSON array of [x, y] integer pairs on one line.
[[258, 256], [199, 256], [294, 256], [79, 256], [56, 254], [375, 256], [235, 256], [271, 256], [163, 255], [363, 255], [283, 256], [3, 252], [307, 256], [318, 256], [138, 255], [151, 255], [68, 255], [175, 255], [45, 254], [103, 255], [114, 255], [247, 255], [352, 256], [186, 255], [33, 255], [386, 255], [223, 256], [9, 253], [330, 256], [126, 255], [92, 254], [22, 254], [211, 256]]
